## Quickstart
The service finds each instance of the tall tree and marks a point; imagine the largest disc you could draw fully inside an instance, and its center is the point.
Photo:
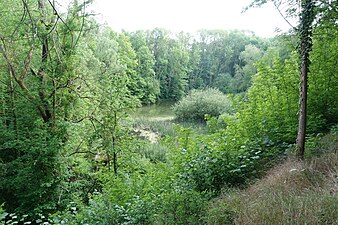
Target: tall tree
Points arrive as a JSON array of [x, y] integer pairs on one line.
[[307, 17], [306, 21], [36, 47]]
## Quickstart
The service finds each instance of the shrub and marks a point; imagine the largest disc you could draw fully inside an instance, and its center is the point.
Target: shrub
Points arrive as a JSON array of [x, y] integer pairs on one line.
[[209, 165], [198, 103]]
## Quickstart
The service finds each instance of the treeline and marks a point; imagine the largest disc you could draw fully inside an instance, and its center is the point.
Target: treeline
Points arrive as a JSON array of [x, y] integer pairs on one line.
[[217, 58], [161, 65], [210, 58]]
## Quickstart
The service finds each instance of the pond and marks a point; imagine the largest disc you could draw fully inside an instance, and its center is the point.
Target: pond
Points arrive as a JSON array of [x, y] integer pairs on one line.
[[157, 112]]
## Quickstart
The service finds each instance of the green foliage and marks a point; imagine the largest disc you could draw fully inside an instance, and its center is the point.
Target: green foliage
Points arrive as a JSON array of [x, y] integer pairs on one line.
[[145, 197], [148, 87], [243, 146], [66, 143], [322, 95], [270, 113], [243, 74], [180, 207], [30, 164], [224, 60], [216, 58], [215, 124], [171, 62], [209, 163], [199, 103]]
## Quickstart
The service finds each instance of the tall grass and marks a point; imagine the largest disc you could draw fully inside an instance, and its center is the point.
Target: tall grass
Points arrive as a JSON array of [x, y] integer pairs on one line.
[[155, 152], [292, 193]]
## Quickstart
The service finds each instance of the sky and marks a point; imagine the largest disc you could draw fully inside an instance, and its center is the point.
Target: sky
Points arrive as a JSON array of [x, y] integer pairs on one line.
[[189, 15]]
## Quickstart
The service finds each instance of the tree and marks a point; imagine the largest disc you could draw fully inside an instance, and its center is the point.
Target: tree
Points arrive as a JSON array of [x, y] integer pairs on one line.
[[148, 85], [322, 103], [242, 78], [110, 84], [37, 44], [176, 78], [171, 62], [307, 17], [222, 60]]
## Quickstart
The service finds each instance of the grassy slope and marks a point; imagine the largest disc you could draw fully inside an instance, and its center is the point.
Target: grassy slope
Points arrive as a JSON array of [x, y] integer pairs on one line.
[[292, 193]]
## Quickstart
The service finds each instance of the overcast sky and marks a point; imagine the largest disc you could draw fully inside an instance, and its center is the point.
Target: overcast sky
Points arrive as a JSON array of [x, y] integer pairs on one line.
[[189, 15]]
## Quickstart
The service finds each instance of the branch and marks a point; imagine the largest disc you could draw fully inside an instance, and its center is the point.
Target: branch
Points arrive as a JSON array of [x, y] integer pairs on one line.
[[54, 44], [279, 11], [30, 17], [21, 20], [8, 62], [82, 25], [80, 152], [333, 8], [57, 14], [28, 63], [16, 91], [82, 119], [21, 83]]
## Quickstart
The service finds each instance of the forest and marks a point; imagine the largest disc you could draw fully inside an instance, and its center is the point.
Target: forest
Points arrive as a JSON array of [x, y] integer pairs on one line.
[[253, 137]]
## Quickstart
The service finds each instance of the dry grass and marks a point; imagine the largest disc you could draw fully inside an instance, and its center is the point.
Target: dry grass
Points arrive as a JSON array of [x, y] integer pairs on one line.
[[292, 193]]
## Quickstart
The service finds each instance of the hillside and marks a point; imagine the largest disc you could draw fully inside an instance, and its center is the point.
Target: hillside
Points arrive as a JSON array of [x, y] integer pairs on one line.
[[293, 192]]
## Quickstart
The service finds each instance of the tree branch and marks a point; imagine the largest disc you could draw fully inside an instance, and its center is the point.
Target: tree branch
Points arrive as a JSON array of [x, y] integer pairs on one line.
[[28, 63], [279, 11]]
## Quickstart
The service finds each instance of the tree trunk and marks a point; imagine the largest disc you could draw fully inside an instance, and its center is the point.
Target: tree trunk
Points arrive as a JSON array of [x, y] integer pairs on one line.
[[306, 20], [44, 58], [302, 109]]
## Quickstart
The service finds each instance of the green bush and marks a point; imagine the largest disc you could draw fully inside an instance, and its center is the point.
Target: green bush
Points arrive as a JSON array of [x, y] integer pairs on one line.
[[209, 165], [198, 103]]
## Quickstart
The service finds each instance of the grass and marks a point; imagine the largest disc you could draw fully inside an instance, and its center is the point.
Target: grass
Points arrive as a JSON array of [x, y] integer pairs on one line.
[[292, 193], [155, 152]]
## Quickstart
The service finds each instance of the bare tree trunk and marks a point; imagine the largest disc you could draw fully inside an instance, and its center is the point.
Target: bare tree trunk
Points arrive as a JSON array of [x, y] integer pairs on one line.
[[306, 20]]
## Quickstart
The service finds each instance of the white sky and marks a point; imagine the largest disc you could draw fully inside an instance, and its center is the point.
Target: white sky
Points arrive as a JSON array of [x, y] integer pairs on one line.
[[189, 15]]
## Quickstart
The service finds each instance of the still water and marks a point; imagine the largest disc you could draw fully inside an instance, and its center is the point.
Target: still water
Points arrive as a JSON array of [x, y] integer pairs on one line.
[[156, 112]]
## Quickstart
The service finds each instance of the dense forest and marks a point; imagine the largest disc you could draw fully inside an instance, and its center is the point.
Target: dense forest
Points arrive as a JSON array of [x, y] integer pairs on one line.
[[71, 151]]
